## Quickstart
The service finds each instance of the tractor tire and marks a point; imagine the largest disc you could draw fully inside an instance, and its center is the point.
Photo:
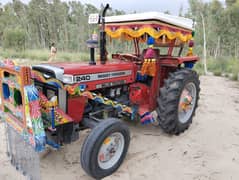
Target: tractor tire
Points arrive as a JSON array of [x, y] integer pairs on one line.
[[172, 118], [105, 148]]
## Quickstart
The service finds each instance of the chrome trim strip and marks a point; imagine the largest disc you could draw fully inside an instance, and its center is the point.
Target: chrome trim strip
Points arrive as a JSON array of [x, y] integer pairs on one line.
[[58, 71]]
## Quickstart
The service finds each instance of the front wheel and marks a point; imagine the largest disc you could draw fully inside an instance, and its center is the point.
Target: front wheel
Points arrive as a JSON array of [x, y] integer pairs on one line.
[[178, 101], [105, 148]]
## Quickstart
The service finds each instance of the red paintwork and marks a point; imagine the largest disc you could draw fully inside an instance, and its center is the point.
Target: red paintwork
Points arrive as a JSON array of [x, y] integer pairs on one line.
[[154, 90], [145, 96], [92, 85], [113, 65], [188, 59], [139, 94], [76, 106], [176, 61], [85, 68]]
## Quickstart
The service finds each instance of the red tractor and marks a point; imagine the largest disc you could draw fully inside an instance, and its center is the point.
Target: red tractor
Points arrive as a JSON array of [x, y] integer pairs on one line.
[[53, 102]]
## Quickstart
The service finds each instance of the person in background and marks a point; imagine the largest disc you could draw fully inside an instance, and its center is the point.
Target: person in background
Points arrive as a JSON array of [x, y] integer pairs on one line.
[[53, 53]]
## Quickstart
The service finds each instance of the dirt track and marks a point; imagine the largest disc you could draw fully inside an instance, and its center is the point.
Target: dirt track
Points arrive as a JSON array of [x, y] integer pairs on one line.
[[209, 150]]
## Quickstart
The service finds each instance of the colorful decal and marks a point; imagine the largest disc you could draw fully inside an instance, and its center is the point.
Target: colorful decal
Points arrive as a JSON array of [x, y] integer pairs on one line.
[[80, 90], [20, 103], [46, 109], [75, 90], [130, 33], [52, 81], [147, 118]]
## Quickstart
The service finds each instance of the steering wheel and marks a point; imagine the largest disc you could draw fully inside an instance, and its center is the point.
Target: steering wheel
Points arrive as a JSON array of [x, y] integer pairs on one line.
[[129, 57]]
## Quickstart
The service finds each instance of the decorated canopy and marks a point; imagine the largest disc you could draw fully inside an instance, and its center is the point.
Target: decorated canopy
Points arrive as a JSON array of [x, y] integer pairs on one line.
[[158, 25]]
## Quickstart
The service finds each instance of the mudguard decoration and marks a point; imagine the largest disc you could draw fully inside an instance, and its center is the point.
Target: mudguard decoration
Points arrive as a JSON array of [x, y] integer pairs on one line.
[[20, 104]]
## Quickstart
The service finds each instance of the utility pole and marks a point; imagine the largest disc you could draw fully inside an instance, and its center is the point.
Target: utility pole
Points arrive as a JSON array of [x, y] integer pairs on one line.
[[204, 45]]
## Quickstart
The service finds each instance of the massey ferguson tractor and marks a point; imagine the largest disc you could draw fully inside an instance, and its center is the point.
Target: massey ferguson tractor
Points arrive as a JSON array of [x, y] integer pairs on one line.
[[48, 104]]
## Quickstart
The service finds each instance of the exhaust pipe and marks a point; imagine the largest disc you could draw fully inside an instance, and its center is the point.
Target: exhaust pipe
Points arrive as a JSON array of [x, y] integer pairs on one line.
[[103, 55]]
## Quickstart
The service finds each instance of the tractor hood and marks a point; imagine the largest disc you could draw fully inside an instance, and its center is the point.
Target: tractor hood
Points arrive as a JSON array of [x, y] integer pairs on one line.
[[60, 71]]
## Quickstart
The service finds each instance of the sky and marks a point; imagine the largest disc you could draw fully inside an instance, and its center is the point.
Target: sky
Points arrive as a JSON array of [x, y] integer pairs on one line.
[[172, 6]]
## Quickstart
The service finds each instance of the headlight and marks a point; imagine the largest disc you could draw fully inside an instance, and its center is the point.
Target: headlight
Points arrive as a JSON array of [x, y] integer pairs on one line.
[[68, 79]]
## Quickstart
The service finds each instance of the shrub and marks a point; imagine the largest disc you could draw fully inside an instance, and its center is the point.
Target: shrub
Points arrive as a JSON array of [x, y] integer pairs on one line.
[[217, 73], [234, 77]]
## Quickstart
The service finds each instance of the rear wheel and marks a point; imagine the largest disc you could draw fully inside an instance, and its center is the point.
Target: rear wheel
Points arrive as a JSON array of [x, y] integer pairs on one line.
[[178, 101], [105, 148]]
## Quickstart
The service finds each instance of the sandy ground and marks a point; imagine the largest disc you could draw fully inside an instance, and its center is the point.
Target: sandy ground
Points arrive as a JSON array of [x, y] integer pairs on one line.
[[209, 150]]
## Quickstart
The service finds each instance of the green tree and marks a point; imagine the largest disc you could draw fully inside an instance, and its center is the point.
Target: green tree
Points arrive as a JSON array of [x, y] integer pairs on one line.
[[14, 38]]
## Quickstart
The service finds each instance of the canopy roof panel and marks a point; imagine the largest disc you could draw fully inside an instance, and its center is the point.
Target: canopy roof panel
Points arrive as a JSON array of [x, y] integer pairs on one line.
[[155, 24], [182, 22]]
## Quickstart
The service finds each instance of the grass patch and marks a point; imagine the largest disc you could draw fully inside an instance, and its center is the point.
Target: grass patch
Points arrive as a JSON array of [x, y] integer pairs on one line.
[[42, 55], [199, 68], [234, 77], [222, 65], [217, 73]]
